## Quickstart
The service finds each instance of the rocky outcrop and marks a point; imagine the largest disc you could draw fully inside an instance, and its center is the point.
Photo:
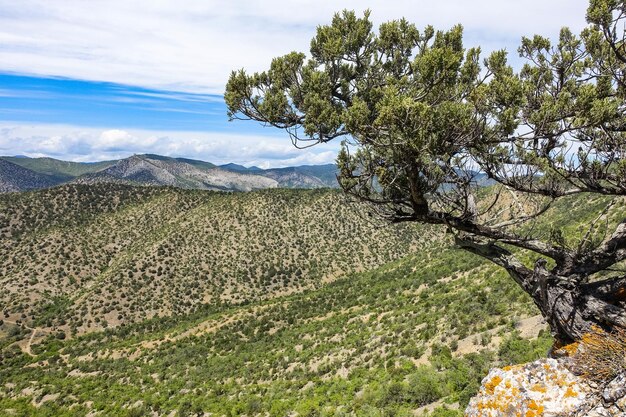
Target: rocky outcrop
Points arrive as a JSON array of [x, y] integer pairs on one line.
[[546, 388], [144, 170]]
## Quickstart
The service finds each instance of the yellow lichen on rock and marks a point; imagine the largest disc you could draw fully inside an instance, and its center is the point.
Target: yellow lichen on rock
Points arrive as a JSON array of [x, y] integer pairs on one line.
[[538, 388], [570, 393], [545, 387], [570, 349], [492, 384]]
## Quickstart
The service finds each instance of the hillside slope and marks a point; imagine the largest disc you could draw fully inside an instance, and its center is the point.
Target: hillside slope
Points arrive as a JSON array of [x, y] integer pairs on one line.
[[373, 343], [151, 171], [85, 257], [413, 335], [14, 178], [306, 176], [61, 171]]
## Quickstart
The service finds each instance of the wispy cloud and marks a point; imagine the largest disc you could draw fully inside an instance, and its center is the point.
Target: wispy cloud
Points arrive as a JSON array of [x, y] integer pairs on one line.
[[56, 100], [179, 96], [192, 46], [169, 62]]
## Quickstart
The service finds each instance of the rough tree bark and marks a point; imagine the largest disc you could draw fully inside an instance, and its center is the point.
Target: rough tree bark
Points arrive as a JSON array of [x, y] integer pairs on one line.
[[571, 305]]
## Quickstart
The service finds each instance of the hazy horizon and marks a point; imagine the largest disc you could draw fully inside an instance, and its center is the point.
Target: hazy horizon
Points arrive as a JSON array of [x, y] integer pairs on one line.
[[161, 156]]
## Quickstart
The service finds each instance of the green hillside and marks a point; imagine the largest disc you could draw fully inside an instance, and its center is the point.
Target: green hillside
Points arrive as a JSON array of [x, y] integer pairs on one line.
[[206, 313], [83, 257], [373, 343], [60, 170]]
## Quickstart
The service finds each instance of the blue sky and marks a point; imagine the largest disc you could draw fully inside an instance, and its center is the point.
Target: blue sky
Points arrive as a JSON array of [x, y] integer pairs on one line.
[[100, 104], [108, 78]]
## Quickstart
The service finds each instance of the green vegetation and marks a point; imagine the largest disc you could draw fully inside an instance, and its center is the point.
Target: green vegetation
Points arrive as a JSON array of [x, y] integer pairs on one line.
[[397, 319], [372, 343], [116, 254], [61, 171]]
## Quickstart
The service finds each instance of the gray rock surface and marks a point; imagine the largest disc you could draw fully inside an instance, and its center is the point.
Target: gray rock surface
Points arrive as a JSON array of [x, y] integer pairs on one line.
[[546, 388]]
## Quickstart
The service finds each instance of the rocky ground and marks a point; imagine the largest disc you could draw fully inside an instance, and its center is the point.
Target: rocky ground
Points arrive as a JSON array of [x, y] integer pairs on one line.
[[547, 387]]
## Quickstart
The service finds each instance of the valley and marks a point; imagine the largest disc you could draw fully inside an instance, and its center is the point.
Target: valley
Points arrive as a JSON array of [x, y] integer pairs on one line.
[[152, 300]]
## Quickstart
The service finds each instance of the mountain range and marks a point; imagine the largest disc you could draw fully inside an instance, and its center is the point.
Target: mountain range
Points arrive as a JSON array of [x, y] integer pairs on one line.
[[18, 173], [14, 177]]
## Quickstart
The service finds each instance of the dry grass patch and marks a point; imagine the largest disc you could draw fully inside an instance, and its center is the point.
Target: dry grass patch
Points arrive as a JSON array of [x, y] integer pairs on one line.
[[601, 356]]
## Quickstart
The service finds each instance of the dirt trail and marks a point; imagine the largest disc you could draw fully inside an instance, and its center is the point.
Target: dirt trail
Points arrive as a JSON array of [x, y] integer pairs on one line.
[[26, 347], [211, 325], [30, 342]]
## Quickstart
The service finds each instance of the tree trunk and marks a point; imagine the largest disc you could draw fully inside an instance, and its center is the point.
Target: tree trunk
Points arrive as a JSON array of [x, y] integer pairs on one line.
[[573, 309]]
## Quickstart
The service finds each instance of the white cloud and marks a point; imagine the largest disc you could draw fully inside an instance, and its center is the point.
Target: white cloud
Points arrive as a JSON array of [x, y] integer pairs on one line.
[[116, 140], [92, 144], [193, 45]]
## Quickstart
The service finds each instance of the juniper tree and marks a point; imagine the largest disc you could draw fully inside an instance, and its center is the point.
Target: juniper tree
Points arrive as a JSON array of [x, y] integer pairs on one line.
[[423, 121]]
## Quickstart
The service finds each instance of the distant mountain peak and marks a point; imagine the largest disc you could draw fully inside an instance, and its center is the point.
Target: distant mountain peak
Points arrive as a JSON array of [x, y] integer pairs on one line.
[[154, 170]]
